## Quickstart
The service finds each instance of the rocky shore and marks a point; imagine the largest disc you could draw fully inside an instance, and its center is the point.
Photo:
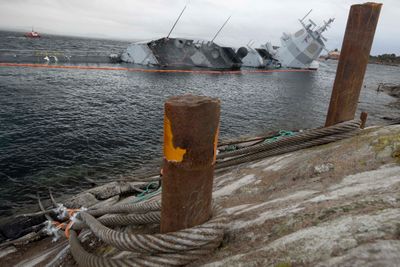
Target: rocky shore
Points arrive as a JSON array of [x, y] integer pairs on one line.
[[394, 91], [331, 205], [390, 89]]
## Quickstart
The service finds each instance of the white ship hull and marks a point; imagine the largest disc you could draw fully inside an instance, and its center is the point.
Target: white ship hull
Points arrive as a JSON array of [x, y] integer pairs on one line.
[[253, 60]]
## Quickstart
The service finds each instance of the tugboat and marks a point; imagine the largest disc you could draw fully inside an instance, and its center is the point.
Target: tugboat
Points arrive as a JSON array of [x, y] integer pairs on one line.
[[32, 34], [184, 53]]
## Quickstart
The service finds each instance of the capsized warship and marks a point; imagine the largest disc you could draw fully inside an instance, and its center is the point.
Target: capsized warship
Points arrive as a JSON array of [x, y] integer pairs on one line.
[[299, 50], [184, 53], [259, 58]]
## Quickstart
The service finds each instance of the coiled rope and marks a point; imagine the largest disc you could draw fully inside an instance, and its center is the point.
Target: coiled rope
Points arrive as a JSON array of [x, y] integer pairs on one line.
[[141, 207], [181, 247], [170, 249], [138, 213]]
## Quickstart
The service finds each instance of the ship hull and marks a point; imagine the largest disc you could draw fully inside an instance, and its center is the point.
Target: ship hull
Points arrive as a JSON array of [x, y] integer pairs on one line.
[[182, 53], [260, 58]]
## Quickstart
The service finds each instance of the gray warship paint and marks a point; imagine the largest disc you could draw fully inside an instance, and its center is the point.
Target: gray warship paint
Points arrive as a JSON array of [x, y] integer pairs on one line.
[[260, 58], [183, 53]]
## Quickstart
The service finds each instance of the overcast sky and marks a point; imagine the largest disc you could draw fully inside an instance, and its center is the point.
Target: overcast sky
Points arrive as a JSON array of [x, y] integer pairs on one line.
[[259, 20]]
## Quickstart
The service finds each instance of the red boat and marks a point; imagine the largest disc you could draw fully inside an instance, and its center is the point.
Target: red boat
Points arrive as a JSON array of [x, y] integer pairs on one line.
[[32, 34]]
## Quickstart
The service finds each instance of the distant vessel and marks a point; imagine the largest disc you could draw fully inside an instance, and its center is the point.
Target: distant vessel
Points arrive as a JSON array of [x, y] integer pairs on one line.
[[299, 50], [32, 34], [186, 53], [335, 55]]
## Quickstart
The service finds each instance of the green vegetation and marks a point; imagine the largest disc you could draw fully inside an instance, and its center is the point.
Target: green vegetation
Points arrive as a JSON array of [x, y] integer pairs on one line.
[[385, 59]]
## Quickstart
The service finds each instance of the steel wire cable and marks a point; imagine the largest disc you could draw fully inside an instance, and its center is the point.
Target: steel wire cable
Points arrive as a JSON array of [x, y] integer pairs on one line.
[[124, 220], [187, 245], [84, 258], [189, 238], [281, 150], [170, 249], [304, 136], [141, 207]]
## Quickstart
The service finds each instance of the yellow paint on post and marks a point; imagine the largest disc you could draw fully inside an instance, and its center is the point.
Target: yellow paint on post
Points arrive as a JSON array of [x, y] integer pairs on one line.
[[171, 153], [216, 144]]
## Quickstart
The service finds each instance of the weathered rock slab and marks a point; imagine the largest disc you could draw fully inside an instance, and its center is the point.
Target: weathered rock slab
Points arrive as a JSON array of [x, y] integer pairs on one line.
[[332, 205]]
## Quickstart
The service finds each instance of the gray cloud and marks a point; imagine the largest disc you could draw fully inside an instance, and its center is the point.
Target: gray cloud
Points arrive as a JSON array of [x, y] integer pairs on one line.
[[257, 20]]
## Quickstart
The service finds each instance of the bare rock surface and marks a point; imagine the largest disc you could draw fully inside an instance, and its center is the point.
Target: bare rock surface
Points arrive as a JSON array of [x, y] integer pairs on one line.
[[332, 205], [376, 254], [391, 89]]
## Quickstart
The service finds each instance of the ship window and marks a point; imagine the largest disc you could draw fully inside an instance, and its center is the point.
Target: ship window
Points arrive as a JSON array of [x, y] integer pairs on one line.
[[312, 48], [299, 33]]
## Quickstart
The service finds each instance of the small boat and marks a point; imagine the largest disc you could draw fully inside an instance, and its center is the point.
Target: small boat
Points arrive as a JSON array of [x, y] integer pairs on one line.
[[32, 34]]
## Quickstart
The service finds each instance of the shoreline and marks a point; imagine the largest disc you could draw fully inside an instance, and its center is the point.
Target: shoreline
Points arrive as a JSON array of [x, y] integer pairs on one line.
[[384, 63], [261, 193], [375, 62]]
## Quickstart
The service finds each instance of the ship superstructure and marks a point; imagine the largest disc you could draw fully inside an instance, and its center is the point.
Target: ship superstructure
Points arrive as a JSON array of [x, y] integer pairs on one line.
[[301, 49]]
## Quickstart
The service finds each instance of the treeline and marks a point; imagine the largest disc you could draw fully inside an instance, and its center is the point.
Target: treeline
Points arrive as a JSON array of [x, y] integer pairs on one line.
[[385, 58]]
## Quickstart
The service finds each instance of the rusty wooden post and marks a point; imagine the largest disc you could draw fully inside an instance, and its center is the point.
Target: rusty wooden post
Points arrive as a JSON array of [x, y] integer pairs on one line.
[[191, 126], [354, 56], [363, 118]]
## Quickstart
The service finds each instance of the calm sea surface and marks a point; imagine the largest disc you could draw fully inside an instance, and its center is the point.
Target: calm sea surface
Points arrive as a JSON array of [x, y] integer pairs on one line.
[[60, 126]]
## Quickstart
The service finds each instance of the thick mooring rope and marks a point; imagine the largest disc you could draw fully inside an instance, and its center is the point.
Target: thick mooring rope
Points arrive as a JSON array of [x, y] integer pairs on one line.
[[124, 220], [294, 139], [170, 249], [184, 246], [141, 207], [303, 140]]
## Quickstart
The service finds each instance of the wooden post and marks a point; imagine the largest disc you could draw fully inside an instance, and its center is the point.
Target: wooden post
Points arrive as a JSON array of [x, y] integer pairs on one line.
[[354, 56], [363, 119], [191, 126]]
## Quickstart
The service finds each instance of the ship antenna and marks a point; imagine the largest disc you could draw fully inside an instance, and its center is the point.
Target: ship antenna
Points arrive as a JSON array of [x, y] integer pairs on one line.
[[180, 15], [223, 25], [306, 15], [248, 44]]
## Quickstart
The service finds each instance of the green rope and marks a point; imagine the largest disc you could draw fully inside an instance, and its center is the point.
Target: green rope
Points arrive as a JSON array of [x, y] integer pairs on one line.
[[231, 148], [281, 133], [146, 194]]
